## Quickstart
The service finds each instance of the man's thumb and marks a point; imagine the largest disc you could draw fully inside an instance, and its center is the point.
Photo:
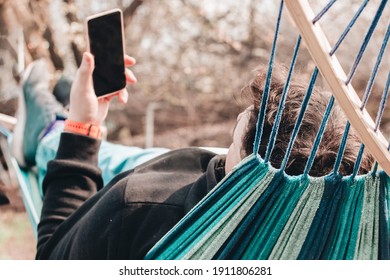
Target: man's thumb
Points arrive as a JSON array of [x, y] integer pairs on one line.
[[87, 64]]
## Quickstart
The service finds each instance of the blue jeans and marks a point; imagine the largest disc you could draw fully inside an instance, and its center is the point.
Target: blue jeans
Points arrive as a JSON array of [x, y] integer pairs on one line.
[[113, 158]]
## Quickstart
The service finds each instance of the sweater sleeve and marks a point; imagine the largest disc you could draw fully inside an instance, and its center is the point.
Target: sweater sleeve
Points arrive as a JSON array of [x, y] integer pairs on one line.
[[72, 177]]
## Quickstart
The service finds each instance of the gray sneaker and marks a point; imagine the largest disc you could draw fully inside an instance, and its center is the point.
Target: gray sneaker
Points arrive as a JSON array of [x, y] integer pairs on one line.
[[37, 108]]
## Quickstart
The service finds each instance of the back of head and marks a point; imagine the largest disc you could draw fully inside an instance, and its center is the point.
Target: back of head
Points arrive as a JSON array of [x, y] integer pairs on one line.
[[328, 149]]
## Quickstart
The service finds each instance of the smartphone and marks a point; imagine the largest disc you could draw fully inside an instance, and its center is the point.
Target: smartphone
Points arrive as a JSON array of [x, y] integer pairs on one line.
[[106, 43]]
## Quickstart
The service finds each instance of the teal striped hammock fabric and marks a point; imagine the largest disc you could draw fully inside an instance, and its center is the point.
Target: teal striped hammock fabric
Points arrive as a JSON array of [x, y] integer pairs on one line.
[[259, 212]]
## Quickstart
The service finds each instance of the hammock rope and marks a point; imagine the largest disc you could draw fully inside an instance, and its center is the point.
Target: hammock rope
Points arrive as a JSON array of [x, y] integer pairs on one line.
[[278, 117], [297, 126], [318, 138], [381, 110], [323, 11], [349, 27], [365, 98], [366, 41], [264, 99]]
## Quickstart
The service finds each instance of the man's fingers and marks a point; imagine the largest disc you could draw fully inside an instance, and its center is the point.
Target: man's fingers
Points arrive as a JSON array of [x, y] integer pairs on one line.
[[129, 60], [130, 78], [123, 96]]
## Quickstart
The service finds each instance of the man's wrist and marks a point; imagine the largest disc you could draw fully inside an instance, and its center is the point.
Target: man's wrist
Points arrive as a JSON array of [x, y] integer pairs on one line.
[[86, 129]]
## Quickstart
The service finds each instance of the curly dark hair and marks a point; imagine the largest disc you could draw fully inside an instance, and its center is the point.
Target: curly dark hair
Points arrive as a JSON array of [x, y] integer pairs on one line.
[[327, 152]]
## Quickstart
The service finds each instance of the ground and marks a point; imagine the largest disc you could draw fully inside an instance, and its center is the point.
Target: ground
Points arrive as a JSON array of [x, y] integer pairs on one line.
[[17, 240]]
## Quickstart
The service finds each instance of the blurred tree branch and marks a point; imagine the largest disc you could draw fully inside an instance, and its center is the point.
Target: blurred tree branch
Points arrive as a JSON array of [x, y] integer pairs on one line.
[[129, 12], [72, 19]]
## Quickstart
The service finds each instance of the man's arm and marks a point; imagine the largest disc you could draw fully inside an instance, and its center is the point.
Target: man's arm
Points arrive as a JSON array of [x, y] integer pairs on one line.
[[72, 177]]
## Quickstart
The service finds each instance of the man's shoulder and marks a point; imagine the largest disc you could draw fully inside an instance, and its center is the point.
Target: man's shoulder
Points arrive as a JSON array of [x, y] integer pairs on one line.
[[167, 178], [190, 159]]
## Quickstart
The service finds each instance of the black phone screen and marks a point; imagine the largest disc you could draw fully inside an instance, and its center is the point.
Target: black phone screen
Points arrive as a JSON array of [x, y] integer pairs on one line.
[[106, 44]]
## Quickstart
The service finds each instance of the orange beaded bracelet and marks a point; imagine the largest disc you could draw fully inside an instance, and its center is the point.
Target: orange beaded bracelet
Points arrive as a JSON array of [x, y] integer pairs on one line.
[[86, 129]]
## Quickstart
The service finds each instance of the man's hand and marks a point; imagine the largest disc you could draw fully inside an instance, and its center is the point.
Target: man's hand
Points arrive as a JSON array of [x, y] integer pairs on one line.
[[85, 107]]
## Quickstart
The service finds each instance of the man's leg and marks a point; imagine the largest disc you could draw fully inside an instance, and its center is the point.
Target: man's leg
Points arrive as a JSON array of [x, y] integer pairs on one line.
[[113, 158], [37, 108], [37, 133]]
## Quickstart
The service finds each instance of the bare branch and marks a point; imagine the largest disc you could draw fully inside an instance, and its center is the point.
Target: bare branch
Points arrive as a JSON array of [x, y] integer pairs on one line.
[[55, 57], [129, 12], [76, 53]]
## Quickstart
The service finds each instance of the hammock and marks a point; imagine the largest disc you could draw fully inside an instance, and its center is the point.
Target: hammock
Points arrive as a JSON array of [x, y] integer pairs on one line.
[[259, 212], [27, 179]]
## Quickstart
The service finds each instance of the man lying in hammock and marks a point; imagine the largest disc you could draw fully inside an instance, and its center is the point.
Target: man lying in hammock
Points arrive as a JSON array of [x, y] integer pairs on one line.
[[84, 219]]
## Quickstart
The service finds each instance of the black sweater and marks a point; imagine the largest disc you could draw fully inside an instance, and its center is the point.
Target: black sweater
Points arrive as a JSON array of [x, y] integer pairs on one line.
[[82, 220]]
